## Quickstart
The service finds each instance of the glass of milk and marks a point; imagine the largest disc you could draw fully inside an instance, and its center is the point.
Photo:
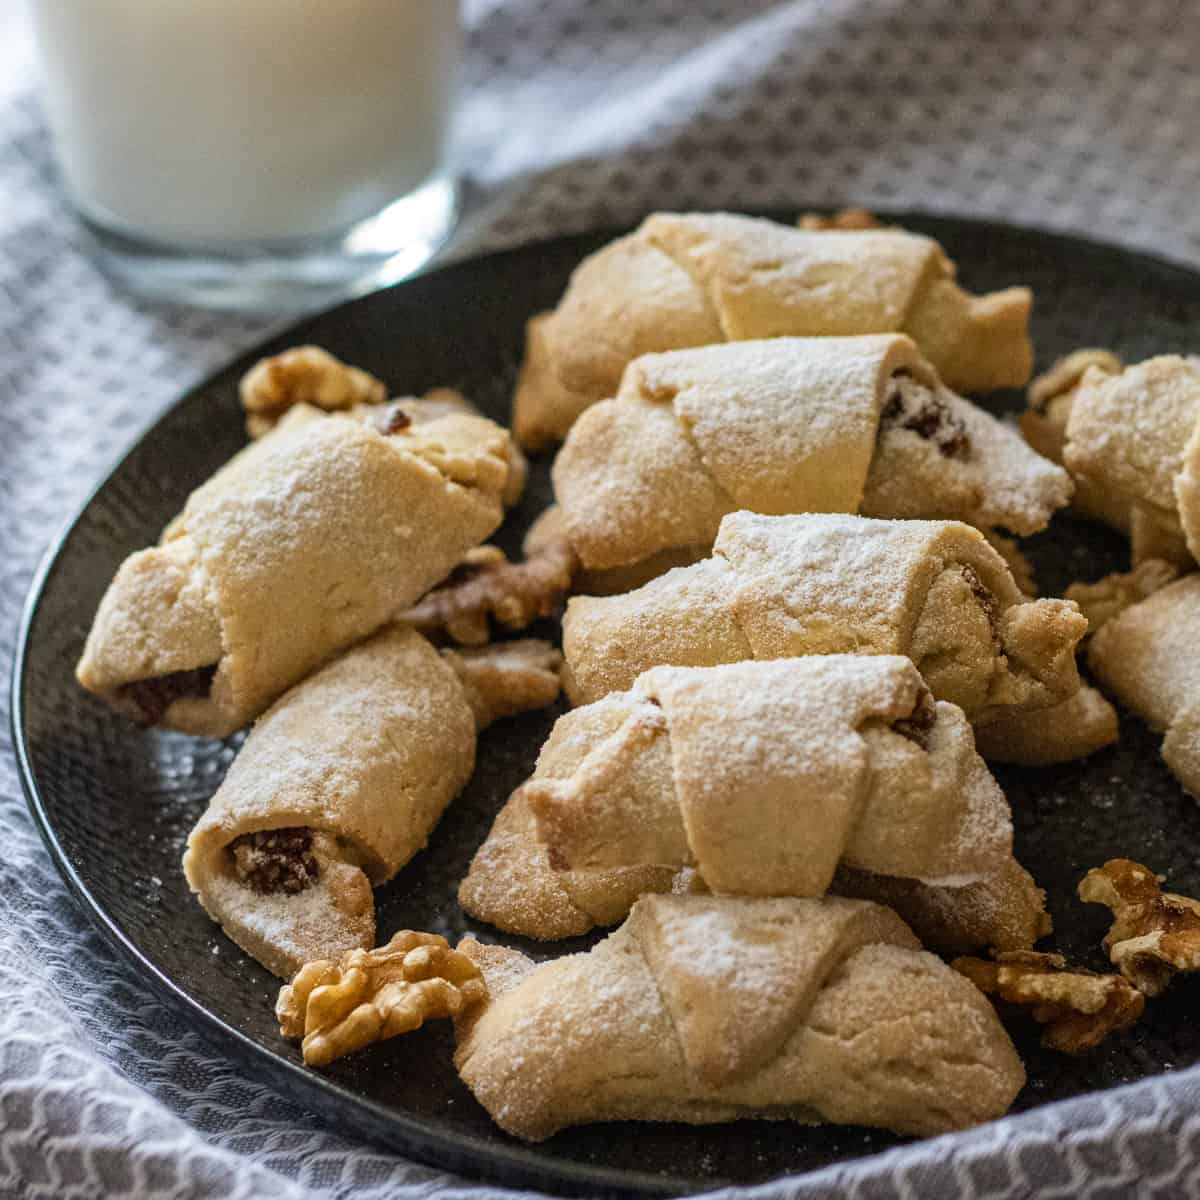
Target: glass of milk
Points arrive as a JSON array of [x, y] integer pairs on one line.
[[263, 155]]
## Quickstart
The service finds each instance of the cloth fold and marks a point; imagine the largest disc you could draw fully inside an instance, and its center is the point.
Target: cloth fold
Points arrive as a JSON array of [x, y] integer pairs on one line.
[[576, 114]]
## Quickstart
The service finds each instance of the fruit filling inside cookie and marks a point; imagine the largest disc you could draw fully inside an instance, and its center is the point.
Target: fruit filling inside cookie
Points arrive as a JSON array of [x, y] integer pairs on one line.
[[957, 639], [393, 419], [912, 405], [152, 697], [918, 725], [275, 860]]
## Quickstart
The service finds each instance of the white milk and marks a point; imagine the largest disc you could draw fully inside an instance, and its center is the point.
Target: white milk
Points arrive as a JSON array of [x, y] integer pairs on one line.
[[196, 121]]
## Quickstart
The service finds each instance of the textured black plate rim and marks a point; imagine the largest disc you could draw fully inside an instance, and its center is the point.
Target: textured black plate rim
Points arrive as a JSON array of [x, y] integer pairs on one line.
[[457, 1151]]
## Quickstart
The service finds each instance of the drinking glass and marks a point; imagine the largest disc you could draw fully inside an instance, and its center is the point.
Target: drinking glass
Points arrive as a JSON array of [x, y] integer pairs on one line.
[[262, 155]]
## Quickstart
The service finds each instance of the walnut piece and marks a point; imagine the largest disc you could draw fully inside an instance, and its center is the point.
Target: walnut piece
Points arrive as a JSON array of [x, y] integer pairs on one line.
[[843, 220], [303, 375], [370, 995], [507, 678], [1079, 1008], [1109, 597], [275, 860], [1154, 933], [486, 588]]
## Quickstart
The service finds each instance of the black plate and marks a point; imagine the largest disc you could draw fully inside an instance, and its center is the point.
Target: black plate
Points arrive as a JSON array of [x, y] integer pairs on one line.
[[114, 804]]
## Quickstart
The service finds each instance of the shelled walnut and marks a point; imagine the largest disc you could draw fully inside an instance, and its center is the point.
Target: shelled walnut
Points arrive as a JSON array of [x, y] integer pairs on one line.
[[1078, 1008], [506, 678], [1154, 934], [844, 219], [370, 995], [486, 588], [303, 375]]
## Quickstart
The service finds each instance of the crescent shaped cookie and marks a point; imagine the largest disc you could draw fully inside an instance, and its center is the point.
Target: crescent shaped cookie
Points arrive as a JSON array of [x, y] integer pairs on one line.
[[1048, 403], [778, 587], [702, 1009], [764, 776], [684, 280], [789, 425], [1132, 437], [757, 778], [311, 539], [341, 782], [1148, 657]]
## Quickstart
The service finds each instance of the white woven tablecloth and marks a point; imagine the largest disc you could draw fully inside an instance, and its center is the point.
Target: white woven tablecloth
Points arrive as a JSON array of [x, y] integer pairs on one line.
[[1073, 115]]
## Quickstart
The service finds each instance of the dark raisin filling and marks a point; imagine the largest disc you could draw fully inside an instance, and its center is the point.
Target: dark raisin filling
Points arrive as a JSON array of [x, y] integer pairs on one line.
[[154, 696], [275, 860], [912, 406], [394, 420], [462, 572], [982, 593], [918, 725], [986, 600]]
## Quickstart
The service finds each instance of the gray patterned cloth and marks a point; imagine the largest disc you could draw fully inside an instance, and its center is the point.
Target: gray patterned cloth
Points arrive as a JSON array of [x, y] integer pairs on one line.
[[1075, 115]]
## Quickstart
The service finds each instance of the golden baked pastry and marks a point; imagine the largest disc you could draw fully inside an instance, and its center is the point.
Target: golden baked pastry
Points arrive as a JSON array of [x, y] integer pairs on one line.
[[757, 778], [1005, 910], [1149, 658], [1049, 401], [1133, 435], [702, 1009], [790, 425], [1071, 729], [1112, 594], [934, 591], [309, 540], [685, 280], [763, 776], [511, 884], [341, 782], [303, 384]]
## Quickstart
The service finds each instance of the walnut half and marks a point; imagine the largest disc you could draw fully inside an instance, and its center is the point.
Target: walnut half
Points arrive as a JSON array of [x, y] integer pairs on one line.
[[844, 220], [486, 588], [506, 678], [1154, 933], [303, 375], [1078, 1008], [370, 995]]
